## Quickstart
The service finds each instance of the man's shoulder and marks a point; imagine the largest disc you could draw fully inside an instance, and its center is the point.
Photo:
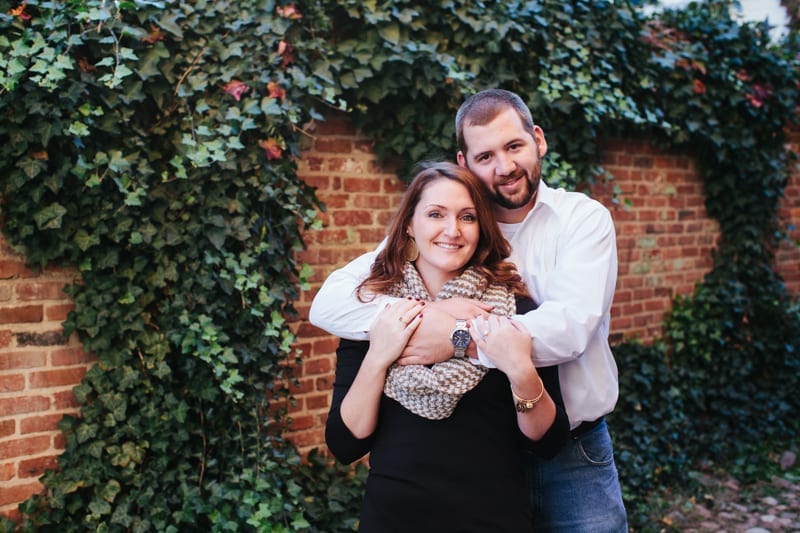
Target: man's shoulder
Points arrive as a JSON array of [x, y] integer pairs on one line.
[[572, 200]]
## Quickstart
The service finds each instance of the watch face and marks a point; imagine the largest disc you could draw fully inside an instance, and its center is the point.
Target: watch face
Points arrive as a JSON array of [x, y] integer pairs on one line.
[[460, 338]]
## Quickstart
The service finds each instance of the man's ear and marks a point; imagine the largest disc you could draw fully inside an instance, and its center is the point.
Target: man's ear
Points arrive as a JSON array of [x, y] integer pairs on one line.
[[461, 159], [541, 142]]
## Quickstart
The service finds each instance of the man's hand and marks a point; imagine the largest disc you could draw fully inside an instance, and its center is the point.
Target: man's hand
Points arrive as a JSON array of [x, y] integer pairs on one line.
[[462, 308], [431, 340]]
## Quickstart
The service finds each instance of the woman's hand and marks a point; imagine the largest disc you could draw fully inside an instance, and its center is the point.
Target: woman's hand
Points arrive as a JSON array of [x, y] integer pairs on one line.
[[505, 342], [391, 330], [508, 345]]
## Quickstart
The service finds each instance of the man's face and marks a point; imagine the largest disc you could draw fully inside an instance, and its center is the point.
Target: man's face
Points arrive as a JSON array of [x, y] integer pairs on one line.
[[509, 162]]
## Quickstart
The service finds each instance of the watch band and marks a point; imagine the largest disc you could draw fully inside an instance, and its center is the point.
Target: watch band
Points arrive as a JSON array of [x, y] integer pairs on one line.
[[460, 338]]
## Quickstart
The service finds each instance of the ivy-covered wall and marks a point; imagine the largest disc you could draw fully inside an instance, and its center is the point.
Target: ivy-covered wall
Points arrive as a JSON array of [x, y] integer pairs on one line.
[[153, 146], [664, 244]]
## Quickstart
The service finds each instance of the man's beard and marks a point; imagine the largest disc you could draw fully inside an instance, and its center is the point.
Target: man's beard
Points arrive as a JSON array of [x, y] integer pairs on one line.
[[531, 186]]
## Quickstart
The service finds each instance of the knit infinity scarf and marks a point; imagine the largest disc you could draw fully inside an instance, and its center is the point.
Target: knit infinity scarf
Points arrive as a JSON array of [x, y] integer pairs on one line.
[[433, 392]]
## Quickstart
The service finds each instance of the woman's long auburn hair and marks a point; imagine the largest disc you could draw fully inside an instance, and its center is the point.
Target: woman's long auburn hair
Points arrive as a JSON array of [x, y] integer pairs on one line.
[[490, 255]]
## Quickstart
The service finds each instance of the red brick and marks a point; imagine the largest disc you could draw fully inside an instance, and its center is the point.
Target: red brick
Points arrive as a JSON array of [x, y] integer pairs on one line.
[[316, 366], [7, 428], [25, 446], [57, 378], [21, 314], [356, 185], [339, 146], [335, 200], [335, 123], [65, 400], [366, 146], [37, 466], [324, 383], [39, 424], [352, 218], [301, 422], [7, 471], [24, 404], [18, 492], [321, 401], [307, 438], [12, 382], [372, 202], [305, 385], [39, 290], [326, 345], [58, 313], [14, 269], [372, 236], [6, 337], [70, 356], [22, 359], [328, 236]]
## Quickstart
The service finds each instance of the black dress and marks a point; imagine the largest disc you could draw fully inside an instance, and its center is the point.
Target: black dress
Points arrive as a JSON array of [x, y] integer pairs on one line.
[[464, 473]]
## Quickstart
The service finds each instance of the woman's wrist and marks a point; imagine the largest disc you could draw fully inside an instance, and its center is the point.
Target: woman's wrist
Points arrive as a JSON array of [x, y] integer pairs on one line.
[[525, 380], [374, 366]]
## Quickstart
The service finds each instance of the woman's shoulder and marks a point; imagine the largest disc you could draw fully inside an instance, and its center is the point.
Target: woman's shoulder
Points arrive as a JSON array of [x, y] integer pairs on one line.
[[524, 304]]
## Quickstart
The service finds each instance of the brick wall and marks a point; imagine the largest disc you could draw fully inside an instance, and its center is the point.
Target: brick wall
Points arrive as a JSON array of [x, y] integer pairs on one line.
[[664, 241], [788, 256], [38, 369]]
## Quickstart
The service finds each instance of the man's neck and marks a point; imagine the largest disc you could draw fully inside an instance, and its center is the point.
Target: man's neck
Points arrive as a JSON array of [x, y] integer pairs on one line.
[[514, 216]]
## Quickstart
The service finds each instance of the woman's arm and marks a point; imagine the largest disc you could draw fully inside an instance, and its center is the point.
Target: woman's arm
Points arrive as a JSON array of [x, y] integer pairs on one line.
[[549, 443], [507, 344], [360, 378], [345, 446]]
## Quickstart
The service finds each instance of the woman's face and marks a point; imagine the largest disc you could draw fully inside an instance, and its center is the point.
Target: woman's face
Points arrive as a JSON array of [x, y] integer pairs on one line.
[[446, 228]]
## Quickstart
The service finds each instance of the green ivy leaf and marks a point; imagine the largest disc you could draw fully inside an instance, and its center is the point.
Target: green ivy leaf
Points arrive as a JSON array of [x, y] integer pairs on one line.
[[50, 217]]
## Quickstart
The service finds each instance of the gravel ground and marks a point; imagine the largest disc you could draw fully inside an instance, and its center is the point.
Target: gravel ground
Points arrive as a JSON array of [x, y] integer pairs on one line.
[[726, 506]]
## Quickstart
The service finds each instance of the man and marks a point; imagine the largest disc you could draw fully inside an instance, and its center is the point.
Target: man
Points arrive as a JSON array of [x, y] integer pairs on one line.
[[564, 245]]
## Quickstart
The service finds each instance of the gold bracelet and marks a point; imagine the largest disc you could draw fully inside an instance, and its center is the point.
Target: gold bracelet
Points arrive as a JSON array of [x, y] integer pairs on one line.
[[523, 405]]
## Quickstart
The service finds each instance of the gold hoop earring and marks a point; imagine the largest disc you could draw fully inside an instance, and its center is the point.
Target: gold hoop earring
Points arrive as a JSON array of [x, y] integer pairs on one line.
[[411, 250]]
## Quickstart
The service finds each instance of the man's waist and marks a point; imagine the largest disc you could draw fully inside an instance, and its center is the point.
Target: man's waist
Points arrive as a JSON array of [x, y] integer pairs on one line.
[[585, 427]]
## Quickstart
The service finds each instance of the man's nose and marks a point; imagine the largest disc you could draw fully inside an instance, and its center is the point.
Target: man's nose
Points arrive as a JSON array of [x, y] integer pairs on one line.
[[505, 165]]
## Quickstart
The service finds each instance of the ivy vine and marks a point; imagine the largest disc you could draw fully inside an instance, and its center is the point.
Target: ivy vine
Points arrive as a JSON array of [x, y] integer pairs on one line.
[[152, 145]]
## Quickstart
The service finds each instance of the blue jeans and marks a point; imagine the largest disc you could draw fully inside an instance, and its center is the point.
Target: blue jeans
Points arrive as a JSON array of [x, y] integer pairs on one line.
[[578, 490]]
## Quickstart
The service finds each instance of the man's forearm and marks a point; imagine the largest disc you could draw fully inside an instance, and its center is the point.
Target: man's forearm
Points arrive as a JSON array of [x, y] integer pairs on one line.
[[337, 310]]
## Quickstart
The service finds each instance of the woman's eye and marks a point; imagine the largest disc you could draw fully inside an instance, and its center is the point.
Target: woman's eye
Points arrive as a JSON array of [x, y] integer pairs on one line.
[[469, 218], [434, 214]]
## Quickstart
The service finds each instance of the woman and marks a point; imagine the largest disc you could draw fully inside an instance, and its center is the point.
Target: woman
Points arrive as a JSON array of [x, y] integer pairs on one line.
[[462, 471]]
